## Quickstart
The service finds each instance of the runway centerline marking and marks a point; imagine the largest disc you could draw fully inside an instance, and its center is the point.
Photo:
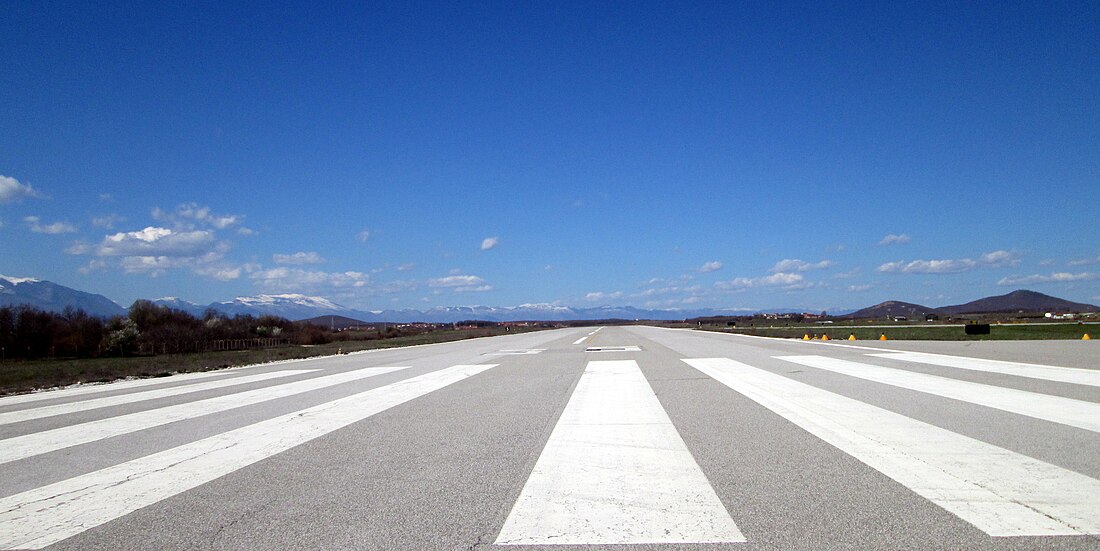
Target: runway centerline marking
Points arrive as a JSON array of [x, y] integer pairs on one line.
[[1000, 492], [616, 471], [46, 515], [1067, 411]]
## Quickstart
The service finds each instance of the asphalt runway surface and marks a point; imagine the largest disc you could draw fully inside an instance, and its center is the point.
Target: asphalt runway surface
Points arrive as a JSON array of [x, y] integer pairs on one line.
[[586, 438]]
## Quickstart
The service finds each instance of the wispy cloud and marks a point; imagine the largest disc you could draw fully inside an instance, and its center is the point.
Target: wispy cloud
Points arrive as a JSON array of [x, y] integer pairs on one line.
[[489, 243], [11, 190], [1057, 277], [894, 239], [598, 296], [298, 258], [191, 215], [107, 221], [363, 236], [712, 266], [859, 288], [461, 283], [1085, 261], [408, 266], [796, 265], [300, 280], [995, 259], [56, 228], [781, 279]]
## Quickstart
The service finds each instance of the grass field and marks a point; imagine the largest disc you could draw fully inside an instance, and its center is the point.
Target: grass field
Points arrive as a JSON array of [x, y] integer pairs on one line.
[[26, 375], [1049, 331]]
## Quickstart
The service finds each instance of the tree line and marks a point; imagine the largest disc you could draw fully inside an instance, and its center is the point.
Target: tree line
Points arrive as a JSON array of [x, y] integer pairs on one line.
[[30, 333]]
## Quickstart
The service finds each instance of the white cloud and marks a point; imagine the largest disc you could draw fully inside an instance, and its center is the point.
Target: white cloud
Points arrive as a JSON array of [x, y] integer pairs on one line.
[[12, 190], [154, 241], [893, 239], [1057, 277], [995, 259], [245, 231], [780, 279], [406, 267], [859, 288], [36, 226], [711, 266], [298, 258], [461, 283], [363, 236], [796, 265], [489, 243]]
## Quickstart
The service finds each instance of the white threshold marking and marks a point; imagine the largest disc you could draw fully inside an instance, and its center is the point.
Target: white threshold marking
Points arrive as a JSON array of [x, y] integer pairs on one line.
[[582, 339], [46, 515], [616, 471], [1001, 492], [1074, 375], [108, 401], [94, 388], [21, 447], [519, 352], [1067, 411], [613, 349]]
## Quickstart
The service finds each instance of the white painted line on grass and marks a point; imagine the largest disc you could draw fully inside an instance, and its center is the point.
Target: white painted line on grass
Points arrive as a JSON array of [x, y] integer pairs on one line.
[[1001, 492], [21, 447], [46, 515], [108, 401], [81, 390], [1074, 375], [1067, 411], [616, 471]]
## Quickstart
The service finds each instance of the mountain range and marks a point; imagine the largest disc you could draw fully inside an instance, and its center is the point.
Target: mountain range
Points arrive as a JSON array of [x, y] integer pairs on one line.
[[53, 297]]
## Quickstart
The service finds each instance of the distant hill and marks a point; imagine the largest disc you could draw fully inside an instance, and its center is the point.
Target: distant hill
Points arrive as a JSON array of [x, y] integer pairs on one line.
[[1019, 301], [893, 308], [51, 297]]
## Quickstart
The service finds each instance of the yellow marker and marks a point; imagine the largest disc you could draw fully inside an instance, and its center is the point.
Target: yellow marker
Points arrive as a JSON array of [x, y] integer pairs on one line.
[[806, 337], [1086, 337], [824, 337], [852, 337], [882, 337]]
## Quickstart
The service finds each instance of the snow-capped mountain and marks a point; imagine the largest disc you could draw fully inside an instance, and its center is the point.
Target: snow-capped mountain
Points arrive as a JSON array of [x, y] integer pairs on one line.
[[290, 306], [52, 297]]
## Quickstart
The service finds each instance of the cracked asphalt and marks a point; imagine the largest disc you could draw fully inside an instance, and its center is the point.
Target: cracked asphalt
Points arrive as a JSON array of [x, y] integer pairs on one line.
[[443, 470]]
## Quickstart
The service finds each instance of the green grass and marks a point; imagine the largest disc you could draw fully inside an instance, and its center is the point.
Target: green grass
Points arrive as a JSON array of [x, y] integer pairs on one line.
[[1006, 332], [18, 376]]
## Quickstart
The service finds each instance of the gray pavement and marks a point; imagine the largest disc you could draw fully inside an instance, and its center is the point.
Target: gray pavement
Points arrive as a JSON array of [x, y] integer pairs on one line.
[[443, 467]]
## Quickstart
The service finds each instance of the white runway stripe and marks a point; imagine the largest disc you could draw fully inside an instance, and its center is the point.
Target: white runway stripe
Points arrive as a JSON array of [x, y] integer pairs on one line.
[[582, 339], [29, 445], [1074, 375], [1067, 411], [83, 390], [40, 517], [1000, 492], [615, 471], [107, 401]]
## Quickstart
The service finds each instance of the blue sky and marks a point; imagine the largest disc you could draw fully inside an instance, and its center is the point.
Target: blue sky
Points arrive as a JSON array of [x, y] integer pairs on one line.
[[653, 154]]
